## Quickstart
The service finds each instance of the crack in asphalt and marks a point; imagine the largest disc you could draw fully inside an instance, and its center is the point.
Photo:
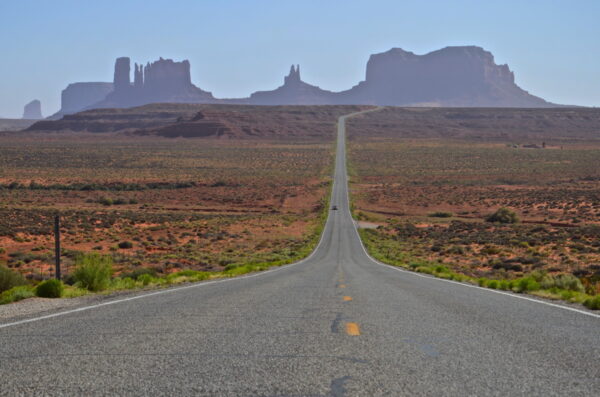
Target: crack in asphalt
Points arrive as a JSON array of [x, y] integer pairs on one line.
[[335, 325]]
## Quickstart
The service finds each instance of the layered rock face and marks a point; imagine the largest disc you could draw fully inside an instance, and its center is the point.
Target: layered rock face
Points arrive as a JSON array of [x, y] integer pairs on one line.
[[33, 110], [452, 76], [294, 91]]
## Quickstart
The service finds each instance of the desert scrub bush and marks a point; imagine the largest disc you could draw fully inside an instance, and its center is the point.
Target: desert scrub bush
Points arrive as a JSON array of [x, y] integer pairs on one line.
[[123, 283], [441, 214], [93, 271], [106, 201], [566, 282], [125, 245], [526, 284], [592, 303], [16, 294], [50, 289], [503, 215], [10, 279], [140, 271], [73, 292], [145, 279]]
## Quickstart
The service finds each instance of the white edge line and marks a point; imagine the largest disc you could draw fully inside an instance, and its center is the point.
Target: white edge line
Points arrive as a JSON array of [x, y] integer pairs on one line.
[[572, 309]]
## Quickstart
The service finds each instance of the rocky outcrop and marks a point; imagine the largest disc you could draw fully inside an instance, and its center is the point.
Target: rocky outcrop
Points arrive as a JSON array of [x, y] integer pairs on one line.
[[164, 81], [121, 79], [78, 96], [452, 76], [33, 110], [294, 91]]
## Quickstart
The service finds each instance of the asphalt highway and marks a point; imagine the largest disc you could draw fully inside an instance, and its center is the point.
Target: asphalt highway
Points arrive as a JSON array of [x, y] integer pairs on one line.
[[335, 324]]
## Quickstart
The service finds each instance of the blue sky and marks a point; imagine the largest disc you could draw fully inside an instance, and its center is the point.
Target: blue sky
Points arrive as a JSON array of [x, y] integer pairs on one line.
[[237, 47]]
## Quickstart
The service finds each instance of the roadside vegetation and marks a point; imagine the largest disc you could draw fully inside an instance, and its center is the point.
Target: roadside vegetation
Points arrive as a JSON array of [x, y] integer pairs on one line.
[[537, 282]]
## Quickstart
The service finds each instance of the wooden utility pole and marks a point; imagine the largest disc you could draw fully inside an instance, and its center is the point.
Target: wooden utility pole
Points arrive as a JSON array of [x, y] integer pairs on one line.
[[57, 246]]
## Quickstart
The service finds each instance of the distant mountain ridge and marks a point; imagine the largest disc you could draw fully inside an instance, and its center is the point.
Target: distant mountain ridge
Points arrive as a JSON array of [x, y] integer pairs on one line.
[[465, 76]]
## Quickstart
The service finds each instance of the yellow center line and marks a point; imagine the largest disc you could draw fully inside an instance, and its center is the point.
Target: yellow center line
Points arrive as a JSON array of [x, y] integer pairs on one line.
[[352, 329], [347, 298]]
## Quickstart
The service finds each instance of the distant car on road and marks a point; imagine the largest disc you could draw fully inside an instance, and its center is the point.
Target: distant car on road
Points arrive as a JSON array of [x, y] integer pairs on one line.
[[334, 208]]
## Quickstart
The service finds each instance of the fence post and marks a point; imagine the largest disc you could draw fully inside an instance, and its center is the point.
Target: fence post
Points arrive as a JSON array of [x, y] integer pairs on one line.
[[57, 246]]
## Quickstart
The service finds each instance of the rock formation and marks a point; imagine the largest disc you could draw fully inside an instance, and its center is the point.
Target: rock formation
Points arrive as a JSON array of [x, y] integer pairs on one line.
[[294, 91], [452, 76], [33, 110], [161, 81], [78, 96], [138, 79], [121, 79]]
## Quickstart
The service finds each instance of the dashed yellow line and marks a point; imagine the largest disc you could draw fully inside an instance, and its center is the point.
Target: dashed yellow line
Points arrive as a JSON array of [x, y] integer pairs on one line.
[[352, 329], [347, 298]]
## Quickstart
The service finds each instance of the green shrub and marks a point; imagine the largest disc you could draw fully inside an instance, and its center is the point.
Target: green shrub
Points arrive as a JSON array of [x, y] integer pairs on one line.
[[10, 279], [2, 250], [231, 266], [145, 279], [503, 215], [526, 284], [16, 294], [123, 283], [569, 282], [200, 276], [504, 285], [50, 289], [441, 269], [493, 284], [93, 271], [592, 303]]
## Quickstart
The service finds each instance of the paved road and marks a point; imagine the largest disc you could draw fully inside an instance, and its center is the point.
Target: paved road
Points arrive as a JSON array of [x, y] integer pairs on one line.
[[337, 324]]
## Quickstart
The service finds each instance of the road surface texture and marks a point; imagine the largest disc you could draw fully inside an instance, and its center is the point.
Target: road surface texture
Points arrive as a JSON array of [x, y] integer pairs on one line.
[[336, 324]]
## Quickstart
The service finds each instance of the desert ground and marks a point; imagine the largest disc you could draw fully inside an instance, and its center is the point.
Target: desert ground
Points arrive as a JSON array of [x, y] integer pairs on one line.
[[424, 182], [251, 191]]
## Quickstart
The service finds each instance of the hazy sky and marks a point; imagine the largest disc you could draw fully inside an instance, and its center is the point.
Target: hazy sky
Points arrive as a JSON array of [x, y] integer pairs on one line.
[[237, 47]]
